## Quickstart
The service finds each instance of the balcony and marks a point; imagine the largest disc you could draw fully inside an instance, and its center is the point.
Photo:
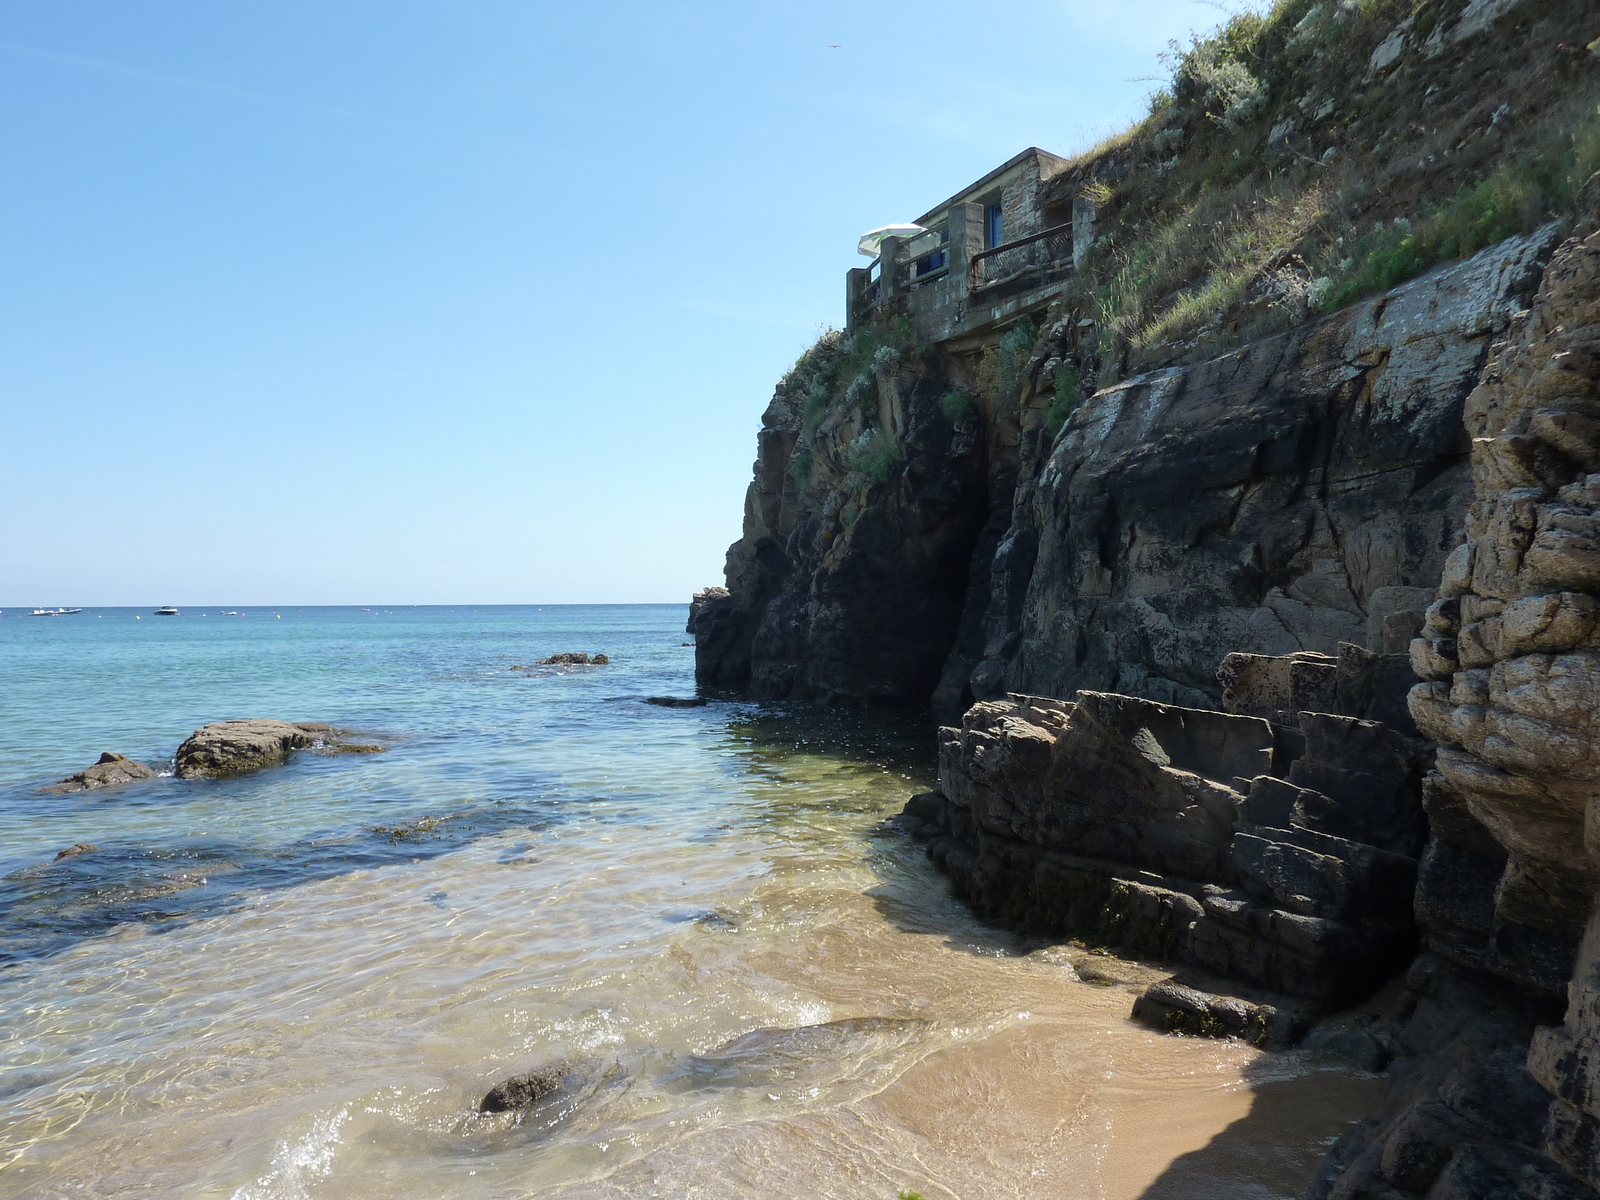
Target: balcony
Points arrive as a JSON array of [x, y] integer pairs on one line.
[[950, 287]]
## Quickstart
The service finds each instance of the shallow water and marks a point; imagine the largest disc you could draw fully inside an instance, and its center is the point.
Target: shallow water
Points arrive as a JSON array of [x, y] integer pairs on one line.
[[299, 983]]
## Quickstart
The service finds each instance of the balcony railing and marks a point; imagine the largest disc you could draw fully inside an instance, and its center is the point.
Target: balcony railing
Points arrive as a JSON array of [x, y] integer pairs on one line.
[[1045, 254], [1028, 262]]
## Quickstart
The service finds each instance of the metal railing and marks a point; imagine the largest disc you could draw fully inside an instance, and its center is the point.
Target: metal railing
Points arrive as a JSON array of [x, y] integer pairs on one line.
[[1044, 253]]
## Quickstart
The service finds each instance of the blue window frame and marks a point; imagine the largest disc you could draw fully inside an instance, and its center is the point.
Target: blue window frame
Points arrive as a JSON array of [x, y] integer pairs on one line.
[[929, 263], [993, 226]]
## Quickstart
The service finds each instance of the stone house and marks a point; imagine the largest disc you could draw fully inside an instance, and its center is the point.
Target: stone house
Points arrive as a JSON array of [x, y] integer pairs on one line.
[[1001, 246]]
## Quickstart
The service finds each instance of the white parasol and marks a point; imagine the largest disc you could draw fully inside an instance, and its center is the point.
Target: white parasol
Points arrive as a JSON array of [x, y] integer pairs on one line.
[[871, 243]]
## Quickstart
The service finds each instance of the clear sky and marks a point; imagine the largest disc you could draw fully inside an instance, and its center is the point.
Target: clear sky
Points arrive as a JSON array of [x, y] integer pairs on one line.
[[471, 302]]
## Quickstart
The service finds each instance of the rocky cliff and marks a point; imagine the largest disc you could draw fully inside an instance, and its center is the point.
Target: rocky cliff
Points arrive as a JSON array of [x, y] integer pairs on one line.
[[1169, 587]]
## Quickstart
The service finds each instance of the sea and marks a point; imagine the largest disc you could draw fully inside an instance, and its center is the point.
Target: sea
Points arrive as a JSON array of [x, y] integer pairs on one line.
[[691, 924]]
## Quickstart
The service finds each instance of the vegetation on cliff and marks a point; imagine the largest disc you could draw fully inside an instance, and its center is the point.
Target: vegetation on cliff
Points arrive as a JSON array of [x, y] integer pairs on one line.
[[1304, 158]]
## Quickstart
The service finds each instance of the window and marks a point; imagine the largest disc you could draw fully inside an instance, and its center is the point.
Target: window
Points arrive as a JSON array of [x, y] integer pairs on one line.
[[993, 226], [929, 263]]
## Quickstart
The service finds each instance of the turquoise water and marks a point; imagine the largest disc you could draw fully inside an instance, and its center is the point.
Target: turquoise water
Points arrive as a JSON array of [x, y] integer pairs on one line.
[[470, 741], [299, 982]]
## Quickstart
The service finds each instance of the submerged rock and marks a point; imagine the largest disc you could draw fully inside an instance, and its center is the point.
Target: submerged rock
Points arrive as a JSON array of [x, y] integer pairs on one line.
[[574, 659], [110, 770], [228, 747], [773, 1055], [537, 1101], [676, 701], [523, 1091], [74, 850]]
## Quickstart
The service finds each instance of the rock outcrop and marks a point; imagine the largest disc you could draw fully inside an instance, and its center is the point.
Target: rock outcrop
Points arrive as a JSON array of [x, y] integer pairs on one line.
[[1298, 493], [857, 596], [1295, 494], [1497, 1091], [229, 747], [1281, 856], [111, 769]]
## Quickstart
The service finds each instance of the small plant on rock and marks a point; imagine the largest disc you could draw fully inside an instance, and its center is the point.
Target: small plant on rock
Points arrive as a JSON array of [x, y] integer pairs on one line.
[[1068, 384], [957, 406], [874, 454]]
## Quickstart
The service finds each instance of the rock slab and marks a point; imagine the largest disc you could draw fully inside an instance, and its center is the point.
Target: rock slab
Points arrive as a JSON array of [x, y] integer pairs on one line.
[[110, 770], [228, 747]]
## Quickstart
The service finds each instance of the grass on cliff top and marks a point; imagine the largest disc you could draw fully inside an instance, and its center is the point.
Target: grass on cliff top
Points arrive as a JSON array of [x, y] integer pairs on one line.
[[1278, 175]]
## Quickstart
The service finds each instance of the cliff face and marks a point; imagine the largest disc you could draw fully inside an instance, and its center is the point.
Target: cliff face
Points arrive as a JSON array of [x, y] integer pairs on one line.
[[1297, 493], [872, 489], [1172, 619]]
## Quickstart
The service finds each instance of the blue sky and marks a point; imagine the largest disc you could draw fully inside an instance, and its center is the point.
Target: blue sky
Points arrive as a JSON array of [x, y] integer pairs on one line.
[[469, 302]]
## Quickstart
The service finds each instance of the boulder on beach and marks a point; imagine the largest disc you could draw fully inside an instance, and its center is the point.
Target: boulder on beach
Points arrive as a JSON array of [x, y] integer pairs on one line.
[[676, 701], [571, 659], [228, 747], [111, 769]]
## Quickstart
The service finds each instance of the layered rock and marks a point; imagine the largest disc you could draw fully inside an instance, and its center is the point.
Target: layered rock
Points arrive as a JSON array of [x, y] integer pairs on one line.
[[848, 582], [228, 747], [1272, 855], [1510, 663], [1298, 493]]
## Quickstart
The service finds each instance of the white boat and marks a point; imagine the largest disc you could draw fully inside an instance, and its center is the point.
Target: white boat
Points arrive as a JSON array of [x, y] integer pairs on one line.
[[54, 612], [167, 611]]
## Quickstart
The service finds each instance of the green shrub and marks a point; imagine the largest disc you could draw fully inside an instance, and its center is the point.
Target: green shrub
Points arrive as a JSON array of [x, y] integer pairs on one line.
[[813, 407], [1516, 198], [909, 1196], [802, 466], [1001, 369], [1068, 382], [957, 406], [873, 455]]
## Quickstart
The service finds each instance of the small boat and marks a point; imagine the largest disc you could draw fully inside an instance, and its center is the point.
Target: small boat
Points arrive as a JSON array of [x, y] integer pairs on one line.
[[55, 612], [167, 611]]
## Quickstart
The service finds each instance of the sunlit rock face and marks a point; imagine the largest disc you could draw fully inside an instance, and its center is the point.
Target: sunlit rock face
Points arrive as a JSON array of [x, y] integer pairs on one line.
[[1510, 666]]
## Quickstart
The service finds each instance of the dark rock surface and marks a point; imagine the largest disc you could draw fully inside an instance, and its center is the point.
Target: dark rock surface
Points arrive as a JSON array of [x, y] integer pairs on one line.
[[858, 595], [111, 769], [523, 1091], [676, 701], [571, 659], [1296, 494], [1174, 1008], [1281, 857], [228, 747]]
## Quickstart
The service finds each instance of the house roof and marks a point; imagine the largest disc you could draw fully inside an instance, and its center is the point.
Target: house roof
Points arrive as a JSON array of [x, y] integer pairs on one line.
[[1046, 159]]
